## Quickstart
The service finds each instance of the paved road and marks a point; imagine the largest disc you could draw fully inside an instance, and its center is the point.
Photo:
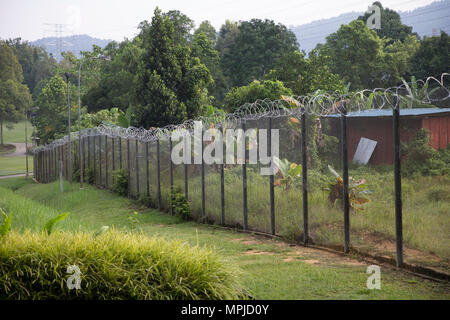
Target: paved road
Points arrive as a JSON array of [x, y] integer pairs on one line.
[[16, 175], [20, 150]]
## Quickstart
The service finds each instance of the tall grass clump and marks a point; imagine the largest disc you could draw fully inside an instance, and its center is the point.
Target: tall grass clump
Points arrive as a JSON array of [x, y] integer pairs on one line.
[[113, 265]]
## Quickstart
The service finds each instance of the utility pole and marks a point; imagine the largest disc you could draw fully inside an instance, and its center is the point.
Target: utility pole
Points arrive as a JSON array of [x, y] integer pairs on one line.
[[70, 142], [26, 141]]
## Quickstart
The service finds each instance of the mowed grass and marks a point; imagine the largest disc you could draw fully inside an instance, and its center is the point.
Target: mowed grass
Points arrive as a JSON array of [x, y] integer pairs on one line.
[[15, 165], [270, 269], [17, 133]]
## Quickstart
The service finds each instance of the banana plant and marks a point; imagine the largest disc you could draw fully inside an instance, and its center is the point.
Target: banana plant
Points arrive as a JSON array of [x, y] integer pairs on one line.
[[288, 172], [51, 223], [6, 225], [357, 190]]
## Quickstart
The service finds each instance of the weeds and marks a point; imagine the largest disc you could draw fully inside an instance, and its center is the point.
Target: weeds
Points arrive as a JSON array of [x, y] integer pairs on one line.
[[120, 185], [179, 205]]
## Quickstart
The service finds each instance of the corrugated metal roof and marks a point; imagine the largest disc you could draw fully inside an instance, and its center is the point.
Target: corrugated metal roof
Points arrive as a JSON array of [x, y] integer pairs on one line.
[[388, 112]]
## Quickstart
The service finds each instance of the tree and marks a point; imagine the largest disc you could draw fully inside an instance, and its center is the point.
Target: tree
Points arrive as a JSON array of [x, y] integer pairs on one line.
[[397, 60], [51, 109], [203, 48], [170, 84], [115, 83], [36, 64], [305, 75], [15, 97], [182, 25], [209, 31], [391, 24], [255, 49], [256, 90], [432, 57], [355, 53]]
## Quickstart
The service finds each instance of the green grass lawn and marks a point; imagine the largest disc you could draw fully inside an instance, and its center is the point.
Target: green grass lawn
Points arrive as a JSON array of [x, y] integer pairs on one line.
[[15, 165], [17, 133], [271, 269]]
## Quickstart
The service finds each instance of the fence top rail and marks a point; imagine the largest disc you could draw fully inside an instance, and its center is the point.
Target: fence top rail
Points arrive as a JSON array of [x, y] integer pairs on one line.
[[320, 103]]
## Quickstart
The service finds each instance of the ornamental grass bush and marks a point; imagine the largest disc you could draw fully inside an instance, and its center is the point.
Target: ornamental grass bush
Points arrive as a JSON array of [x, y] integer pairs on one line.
[[113, 265]]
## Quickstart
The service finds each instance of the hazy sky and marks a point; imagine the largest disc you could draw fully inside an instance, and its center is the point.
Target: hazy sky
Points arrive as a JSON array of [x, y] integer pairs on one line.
[[116, 19]]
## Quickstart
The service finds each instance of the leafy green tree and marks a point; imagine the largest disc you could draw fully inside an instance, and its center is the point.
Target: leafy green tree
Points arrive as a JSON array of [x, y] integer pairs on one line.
[[182, 25], [397, 60], [305, 75], [391, 24], [203, 48], [355, 53], [255, 49], [208, 30], [170, 84], [257, 90], [105, 116], [432, 57], [36, 64], [114, 87], [51, 109], [15, 97]]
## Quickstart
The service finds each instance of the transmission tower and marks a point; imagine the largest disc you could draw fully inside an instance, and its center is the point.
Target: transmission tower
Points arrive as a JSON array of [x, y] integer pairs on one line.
[[58, 29]]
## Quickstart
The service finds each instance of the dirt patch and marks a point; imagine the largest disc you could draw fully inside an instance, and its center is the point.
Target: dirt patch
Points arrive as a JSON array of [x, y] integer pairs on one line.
[[247, 241], [257, 252], [288, 259], [387, 247], [312, 261]]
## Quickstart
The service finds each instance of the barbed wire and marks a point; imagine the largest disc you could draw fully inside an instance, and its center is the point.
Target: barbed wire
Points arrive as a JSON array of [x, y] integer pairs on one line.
[[420, 92]]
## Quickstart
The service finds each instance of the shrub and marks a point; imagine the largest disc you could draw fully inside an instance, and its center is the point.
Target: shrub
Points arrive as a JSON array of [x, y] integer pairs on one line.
[[180, 205], [422, 159], [438, 193], [89, 175], [146, 201], [120, 185], [113, 265]]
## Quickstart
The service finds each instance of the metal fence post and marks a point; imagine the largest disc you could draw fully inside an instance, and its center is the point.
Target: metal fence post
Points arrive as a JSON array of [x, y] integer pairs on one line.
[[345, 177], [304, 179], [222, 181], [203, 181], [120, 152], [81, 159], [398, 185], [271, 180], [100, 159], [106, 161], [113, 155], [55, 162], [171, 174], [84, 155], [147, 171], [89, 151], [186, 191], [158, 168], [244, 178], [129, 166], [136, 154]]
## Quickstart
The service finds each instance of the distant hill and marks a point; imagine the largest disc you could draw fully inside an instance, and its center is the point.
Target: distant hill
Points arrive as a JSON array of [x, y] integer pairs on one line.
[[74, 44], [426, 21]]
